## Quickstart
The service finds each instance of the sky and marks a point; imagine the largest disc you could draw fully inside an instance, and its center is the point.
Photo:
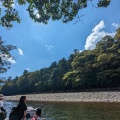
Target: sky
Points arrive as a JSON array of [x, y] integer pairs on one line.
[[39, 45]]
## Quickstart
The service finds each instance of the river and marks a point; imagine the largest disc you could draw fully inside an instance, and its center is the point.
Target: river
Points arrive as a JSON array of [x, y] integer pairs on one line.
[[74, 111]]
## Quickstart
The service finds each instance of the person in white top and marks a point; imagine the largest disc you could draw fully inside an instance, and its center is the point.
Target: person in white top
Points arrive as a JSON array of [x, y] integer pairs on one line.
[[1, 103], [2, 110]]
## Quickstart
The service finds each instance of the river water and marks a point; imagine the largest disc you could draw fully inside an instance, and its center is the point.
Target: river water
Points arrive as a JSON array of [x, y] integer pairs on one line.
[[74, 111]]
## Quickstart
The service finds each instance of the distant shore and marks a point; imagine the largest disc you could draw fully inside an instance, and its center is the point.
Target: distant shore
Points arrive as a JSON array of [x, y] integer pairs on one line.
[[71, 97]]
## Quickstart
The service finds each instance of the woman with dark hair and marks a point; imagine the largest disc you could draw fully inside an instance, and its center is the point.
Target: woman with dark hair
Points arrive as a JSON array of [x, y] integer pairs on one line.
[[19, 113], [22, 107]]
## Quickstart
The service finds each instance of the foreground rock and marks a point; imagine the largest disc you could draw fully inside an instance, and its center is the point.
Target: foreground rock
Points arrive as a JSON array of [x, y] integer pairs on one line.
[[71, 97]]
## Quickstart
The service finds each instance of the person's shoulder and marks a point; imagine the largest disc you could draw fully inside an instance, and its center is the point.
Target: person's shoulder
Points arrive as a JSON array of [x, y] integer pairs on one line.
[[21, 103], [38, 118]]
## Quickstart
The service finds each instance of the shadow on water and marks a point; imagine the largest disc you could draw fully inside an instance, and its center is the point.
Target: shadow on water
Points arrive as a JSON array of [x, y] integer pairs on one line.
[[75, 111]]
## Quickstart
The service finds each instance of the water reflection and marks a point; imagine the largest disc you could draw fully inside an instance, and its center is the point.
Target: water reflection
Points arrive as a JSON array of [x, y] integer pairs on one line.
[[75, 111]]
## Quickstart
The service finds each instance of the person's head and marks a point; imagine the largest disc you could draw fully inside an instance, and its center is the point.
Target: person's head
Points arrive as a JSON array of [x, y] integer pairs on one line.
[[22, 99], [38, 112], [1, 96]]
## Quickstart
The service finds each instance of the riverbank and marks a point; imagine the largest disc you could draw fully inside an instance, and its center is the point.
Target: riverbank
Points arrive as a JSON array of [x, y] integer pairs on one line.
[[71, 97]]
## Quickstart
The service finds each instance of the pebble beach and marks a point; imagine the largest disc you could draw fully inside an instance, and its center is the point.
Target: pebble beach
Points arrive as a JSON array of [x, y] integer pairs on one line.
[[71, 97]]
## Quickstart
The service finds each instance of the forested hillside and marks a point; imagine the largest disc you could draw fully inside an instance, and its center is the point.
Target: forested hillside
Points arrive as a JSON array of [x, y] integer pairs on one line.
[[97, 68]]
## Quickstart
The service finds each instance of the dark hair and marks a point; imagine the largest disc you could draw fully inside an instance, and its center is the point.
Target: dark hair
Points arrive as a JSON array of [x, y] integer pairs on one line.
[[38, 112], [22, 99]]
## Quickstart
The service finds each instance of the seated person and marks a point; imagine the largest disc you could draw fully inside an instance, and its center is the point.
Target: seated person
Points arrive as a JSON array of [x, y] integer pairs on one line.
[[2, 110], [37, 114]]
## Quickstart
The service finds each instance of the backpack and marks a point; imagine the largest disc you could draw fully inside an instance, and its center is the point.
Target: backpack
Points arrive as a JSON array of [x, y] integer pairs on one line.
[[3, 113], [13, 112]]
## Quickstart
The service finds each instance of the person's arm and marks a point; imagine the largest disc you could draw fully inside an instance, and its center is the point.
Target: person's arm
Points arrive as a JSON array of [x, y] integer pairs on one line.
[[3, 109], [25, 108], [25, 115]]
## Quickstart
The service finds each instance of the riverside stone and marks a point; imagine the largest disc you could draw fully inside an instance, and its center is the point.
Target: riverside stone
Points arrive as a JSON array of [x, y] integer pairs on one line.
[[71, 97]]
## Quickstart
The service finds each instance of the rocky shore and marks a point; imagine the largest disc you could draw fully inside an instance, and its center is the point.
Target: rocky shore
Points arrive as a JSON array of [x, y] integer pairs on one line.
[[71, 97]]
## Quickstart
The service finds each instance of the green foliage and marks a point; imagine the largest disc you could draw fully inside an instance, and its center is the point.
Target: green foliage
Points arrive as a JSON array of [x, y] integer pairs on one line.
[[1, 81], [103, 3], [117, 36], [98, 68], [8, 14], [42, 11], [5, 55], [79, 71]]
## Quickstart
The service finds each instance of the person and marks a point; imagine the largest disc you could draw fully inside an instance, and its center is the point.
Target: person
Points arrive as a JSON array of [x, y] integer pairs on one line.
[[19, 113], [2, 110], [37, 114], [22, 107]]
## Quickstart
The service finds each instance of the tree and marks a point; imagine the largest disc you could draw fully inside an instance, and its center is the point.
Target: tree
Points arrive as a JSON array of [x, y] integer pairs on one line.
[[89, 69], [10, 14], [25, 72], [1, 80], [98, 68], [42, 11], [5, 56]]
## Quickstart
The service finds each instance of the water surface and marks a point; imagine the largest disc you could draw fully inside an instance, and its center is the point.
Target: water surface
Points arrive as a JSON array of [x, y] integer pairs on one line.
[[74, 111]]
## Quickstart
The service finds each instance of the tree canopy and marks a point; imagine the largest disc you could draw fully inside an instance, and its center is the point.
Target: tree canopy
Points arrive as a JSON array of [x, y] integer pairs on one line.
[[5, 56], [89, 69], [42, 11]]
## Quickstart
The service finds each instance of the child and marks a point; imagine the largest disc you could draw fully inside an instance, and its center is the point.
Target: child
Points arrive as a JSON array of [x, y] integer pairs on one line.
[[37, 114]]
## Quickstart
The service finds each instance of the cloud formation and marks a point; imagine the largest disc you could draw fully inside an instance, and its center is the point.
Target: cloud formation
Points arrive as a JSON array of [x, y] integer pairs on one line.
[[96, 35], [116, 25], [11, 60], [49, 47], [7, 58], [28, 69], [20, 51]]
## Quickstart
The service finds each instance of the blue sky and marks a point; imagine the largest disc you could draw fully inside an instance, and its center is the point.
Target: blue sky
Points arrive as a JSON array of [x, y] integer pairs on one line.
[[38, 45]]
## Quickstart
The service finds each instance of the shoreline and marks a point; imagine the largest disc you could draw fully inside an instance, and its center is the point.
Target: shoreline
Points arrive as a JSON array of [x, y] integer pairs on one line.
[[70, 97]]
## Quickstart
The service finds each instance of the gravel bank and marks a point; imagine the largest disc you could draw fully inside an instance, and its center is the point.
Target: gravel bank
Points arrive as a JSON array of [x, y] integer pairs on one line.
[[71, 97]]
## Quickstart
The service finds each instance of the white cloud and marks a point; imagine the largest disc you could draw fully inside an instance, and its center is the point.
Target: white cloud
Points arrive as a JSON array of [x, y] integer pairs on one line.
[[80, 51], [11, 60], [20, 51], [98, 27], [7, 58], [49, 47], [28, 69], [96, 36], [116, 25]]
